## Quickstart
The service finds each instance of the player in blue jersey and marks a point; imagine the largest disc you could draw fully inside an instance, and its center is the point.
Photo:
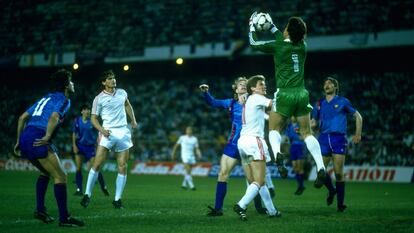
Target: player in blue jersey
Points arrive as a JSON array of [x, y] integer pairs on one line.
[[84, 138], [36, 129], [332, 112], [231, 156], [297, 147]]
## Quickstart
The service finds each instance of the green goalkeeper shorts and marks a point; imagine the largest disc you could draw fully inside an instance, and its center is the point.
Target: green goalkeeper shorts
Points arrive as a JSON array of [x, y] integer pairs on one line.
[[291, 102]]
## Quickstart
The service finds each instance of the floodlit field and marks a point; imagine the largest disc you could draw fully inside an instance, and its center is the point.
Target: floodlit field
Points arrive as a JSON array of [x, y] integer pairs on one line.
[[158, 204]]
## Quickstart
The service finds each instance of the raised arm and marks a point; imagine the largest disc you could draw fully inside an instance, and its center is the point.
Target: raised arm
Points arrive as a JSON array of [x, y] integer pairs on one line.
[[210, 100]]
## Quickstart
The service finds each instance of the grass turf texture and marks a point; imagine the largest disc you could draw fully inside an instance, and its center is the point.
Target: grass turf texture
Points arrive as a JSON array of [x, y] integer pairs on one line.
[[158, 204]]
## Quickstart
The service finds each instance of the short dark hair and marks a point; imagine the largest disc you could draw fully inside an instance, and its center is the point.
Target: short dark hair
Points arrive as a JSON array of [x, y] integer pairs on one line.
[[85, 106], [60, 80], [252, 82], [106, 74], [296, 28], [334, 81]]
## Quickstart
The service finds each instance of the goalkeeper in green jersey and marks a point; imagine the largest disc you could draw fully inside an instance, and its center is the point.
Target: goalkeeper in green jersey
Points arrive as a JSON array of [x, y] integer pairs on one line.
[[288, 48]]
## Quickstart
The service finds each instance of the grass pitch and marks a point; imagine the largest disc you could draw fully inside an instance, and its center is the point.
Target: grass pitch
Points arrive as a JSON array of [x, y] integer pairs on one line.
[[158, 204]]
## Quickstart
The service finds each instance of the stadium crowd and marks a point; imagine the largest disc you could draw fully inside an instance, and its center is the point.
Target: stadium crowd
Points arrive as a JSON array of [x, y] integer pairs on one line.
[[164, 107], [121, 28]]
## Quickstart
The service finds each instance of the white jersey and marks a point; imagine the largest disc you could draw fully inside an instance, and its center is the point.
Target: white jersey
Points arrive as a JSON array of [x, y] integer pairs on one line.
[[111, 108], [188, 144], [253, 117]]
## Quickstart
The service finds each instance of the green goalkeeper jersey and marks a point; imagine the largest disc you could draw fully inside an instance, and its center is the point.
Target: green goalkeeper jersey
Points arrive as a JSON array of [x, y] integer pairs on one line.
[[289, 59]]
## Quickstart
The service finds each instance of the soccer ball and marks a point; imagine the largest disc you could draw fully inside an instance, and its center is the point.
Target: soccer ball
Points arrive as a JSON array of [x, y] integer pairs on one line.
[[262, 22]]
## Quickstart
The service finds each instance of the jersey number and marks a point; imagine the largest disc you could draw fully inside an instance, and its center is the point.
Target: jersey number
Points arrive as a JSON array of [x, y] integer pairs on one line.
[[295, 59], [39, 107]]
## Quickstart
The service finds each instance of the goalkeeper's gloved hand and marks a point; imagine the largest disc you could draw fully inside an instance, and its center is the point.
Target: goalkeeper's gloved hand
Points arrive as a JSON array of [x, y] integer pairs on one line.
[[251, 21], [273, 28]]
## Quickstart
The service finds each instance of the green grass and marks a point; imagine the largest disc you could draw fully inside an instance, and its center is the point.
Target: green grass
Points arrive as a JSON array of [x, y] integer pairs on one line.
[[158, 204]]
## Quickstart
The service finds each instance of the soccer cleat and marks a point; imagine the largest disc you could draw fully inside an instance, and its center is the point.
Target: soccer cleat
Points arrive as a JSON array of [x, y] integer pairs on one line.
[[105, 191], [272, 192], [43, 216], [261, 210], [241, 212], [330, 198], [78, 193], [278, 214], [85, 201], [71, 222], [320, 179], [214, 213], [299, 191], [280, 166], [193, 189], [117, 204], [342, 208], [183, 188]]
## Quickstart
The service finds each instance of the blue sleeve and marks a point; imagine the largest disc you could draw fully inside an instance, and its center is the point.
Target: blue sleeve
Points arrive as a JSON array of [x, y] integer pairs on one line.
[[348, 107], [31, 109], [210, 100]]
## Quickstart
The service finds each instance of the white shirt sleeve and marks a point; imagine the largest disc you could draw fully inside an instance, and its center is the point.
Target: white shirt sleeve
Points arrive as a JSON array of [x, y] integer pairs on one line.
[[96, 108]]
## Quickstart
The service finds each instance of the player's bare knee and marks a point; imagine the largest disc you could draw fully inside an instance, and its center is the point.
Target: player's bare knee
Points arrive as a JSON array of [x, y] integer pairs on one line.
[[122, 167], [223, 176]]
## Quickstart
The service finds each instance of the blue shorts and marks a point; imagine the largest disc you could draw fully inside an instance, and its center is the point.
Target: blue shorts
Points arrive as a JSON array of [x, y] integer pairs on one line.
[[232, 151], [27, 138], [333, 143], [88, 151], [296, 152]]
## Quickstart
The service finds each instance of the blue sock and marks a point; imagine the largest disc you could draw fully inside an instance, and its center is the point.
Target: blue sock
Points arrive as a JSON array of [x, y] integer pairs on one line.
[[329, 184], [299, 178], [41, 188], [221, 190], [62, 201], [79, 179], [101, 180], [340, 193]]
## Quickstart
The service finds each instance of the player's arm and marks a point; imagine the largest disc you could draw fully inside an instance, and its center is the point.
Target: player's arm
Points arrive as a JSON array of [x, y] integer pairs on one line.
[[210, 100], [198, 152], [98, 126], [74, 146], [20, 126], [267, 46], [358, 127], [174, 150], [51, 126], [130, 112]]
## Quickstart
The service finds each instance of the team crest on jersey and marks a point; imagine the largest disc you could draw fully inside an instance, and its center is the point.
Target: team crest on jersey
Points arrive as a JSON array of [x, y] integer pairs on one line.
[[336, 106]]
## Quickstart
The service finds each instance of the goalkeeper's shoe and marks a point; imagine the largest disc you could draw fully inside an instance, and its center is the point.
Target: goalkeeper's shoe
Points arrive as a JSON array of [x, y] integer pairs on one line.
[[320, 179], [214, 213], [280, 165], [43, 216]]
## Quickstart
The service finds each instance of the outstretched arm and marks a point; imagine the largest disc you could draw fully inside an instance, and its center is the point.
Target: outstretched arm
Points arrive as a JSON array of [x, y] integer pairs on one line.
[[210, 100]]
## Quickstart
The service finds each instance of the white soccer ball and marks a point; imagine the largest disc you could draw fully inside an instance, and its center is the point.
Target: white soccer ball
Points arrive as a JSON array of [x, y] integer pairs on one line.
[[262, 22]]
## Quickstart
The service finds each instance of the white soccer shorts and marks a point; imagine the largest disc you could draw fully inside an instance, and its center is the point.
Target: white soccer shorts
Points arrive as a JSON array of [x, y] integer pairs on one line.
[[119, 139], [188, 159], [253, 148]]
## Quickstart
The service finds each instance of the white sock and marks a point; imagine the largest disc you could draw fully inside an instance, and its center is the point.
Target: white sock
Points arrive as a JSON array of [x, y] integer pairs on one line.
[[250, 194], [275, 140], [184, 184], [190, 181], [120, 185], [92, 177], [267, 200], [268, 180], [315, 149]]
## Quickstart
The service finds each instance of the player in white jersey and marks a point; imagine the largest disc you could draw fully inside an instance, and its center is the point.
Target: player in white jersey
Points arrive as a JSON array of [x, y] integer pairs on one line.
[[112, 106], [253, 148], [189, 144]]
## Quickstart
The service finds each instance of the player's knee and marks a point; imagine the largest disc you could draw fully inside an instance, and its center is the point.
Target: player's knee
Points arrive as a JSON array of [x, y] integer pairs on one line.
[[122, 168], [339, 176], [223, 176]]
